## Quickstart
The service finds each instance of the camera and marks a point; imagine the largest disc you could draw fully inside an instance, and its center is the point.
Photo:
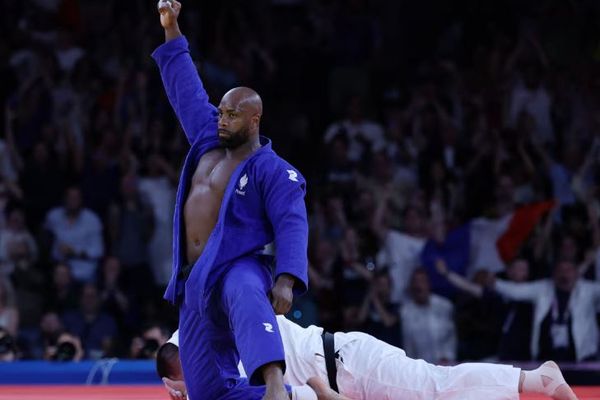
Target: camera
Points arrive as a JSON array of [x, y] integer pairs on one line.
[[65, 351], [7, 344], [149, 350]]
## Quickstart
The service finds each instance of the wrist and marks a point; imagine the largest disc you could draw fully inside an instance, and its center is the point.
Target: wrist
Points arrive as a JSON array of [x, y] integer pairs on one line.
[[286, 280], [172, 32], [273, 374]]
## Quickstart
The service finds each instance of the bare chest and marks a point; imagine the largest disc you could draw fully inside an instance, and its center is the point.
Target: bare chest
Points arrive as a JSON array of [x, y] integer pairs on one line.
[[213, 171]]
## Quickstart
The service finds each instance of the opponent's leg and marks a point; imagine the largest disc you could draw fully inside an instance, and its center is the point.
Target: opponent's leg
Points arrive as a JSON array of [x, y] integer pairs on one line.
[[548, 380]]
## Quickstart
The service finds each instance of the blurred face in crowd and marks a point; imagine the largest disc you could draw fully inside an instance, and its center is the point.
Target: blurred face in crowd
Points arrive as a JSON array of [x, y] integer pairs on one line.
[[89, 299], [240, 111], [50, 324], [355, 109], [16, 220], [565, 275], [111, 269], [383, 286], [73, 201], [568, 249], [339, 151], [483, 278], [518, 270], [419, 287], [505, 190], [324, 251], [382, 167], [157, 334], [129, 187], [414, 222], [62, 276]]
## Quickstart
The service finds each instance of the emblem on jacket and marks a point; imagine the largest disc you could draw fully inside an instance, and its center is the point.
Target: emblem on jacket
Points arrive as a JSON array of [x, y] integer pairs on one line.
[[293, 175], [242, 185]]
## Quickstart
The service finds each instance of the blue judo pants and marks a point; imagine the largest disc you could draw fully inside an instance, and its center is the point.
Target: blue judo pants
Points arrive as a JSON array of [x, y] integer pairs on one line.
[[239, 322]]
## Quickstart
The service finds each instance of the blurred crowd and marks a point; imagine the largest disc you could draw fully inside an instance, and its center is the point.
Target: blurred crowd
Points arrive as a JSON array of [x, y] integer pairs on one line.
[[452, 151]]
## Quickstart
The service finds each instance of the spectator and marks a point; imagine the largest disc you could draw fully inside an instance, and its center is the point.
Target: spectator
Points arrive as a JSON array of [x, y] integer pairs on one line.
[[9, 315], [63, 291], [512, 318], [427, 323], [564, 323], [157, 187], [67, 348], [151, 339], [8, 347], [43, 184], [364, 136], [380, 315], [50, 328], [16, 242], [96, 329], [401, 250], [130, 229], [77, 236]]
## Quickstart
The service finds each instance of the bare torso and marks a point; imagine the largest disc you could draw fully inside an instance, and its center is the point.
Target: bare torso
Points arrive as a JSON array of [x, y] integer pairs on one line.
[[202, 205]]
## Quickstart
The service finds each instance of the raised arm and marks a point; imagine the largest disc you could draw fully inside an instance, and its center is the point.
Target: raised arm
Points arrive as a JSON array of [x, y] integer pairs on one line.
[[458, 281], [181, 80]]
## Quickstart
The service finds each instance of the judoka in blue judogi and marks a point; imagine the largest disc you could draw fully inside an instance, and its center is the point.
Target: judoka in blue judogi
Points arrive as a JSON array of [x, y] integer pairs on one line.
[[225, 312]]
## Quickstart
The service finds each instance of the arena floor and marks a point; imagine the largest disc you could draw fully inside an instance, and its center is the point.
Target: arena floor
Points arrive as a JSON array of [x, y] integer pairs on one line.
[[117, 392]]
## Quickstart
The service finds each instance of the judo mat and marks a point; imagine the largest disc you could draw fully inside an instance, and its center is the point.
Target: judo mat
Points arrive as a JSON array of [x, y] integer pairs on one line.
[[156, 392]]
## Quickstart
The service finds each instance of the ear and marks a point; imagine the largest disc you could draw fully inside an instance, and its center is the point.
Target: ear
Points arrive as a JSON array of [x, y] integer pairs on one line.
[[256, 119]]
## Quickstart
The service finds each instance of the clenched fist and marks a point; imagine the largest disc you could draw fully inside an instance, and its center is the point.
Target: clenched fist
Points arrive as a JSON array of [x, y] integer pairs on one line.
[[169, 11]]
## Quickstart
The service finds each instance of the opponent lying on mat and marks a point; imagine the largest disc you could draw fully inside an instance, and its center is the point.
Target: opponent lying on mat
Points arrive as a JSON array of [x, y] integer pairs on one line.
[[369, 368]]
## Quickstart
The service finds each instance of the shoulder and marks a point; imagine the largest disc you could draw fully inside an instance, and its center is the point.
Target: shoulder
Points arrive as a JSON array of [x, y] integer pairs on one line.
[[441, 303], [90, 217], [269, 165], [54, 214]]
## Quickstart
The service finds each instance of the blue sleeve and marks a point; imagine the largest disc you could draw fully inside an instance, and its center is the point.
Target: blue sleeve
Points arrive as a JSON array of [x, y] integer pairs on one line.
[[185, 91], [283, 191]]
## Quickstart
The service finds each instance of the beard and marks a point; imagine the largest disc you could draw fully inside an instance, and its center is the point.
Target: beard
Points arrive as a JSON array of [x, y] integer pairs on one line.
[[232, 140]]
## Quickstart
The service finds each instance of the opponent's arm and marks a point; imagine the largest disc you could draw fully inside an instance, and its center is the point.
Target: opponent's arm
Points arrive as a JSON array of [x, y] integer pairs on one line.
[[181, 80]]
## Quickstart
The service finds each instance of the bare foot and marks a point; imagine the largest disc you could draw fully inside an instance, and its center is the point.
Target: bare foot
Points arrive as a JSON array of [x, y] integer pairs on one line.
[[323, 391], [551, 375]]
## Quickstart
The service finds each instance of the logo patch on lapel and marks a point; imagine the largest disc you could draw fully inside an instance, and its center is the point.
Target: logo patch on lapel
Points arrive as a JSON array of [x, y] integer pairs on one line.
[[241, 185]]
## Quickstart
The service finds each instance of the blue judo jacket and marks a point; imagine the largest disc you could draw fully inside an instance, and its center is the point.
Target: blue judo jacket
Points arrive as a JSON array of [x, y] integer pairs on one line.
[[263, 201]]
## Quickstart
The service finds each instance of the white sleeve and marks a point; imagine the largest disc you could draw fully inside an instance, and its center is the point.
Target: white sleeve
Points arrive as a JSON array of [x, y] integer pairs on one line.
[[527, 291]]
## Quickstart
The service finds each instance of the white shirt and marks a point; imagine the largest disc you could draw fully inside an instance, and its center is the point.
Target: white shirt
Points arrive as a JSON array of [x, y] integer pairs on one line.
[[369, 130], [84, 234], [428, 330], [7, 239], [401, 253], [584, 303]]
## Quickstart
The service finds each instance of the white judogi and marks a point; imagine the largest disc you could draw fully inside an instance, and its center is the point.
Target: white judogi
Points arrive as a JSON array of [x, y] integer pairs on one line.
[[371, 369]]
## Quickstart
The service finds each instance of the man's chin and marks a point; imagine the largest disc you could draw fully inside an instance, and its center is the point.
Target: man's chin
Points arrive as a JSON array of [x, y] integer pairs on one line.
[[228, 143]]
